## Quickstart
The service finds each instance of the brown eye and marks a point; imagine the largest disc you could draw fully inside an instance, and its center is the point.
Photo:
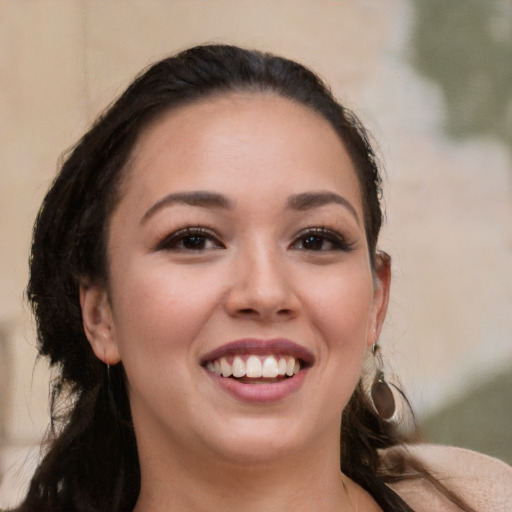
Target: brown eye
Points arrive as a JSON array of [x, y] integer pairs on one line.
[[191, 239], [320, 240], [195, 242]]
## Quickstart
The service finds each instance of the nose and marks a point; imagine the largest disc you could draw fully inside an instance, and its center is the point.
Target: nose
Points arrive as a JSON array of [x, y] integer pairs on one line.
[[262, 286]]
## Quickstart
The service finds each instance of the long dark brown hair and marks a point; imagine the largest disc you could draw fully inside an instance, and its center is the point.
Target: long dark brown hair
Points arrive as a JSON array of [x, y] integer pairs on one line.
[[90, 462]]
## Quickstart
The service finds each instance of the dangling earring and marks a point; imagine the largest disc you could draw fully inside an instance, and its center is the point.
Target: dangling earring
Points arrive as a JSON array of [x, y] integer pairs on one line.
[[380, 391], [110, 390]]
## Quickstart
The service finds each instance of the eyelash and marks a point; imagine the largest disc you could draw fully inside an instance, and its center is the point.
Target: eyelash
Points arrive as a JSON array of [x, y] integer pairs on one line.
[[202, 235], [337, 241]]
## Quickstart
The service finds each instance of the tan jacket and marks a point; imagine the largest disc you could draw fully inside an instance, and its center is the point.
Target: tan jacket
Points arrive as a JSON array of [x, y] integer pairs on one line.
[[485, 483]]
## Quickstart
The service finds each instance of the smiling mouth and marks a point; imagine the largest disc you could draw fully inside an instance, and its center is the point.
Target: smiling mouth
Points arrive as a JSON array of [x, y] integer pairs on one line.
[[254, 369], [257, 361]]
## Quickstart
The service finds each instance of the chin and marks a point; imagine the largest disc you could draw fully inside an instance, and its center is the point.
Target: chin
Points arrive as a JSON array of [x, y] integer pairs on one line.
[[261, 440]]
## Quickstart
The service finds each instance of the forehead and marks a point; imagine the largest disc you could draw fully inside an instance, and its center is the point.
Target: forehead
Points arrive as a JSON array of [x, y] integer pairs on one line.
[[242, 139]]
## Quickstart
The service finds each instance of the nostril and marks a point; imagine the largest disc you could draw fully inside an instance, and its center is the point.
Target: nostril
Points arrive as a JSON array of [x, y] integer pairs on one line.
[[284, 312], [247, 311]]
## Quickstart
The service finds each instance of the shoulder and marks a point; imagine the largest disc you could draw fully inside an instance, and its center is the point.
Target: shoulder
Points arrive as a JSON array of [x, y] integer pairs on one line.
[[483, 482]]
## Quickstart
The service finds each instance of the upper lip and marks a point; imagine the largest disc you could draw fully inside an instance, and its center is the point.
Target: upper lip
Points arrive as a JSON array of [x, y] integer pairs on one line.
[[278, 346]]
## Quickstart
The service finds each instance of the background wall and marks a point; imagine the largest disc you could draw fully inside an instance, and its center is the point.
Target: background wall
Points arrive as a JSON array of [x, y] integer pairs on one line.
[[433, 84]]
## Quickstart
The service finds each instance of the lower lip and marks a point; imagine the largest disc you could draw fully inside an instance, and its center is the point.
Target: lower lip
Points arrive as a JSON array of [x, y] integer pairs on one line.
[[259, 393]]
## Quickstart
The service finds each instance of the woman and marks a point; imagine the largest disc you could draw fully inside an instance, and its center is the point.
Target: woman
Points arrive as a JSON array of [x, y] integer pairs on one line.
[[205, 275]]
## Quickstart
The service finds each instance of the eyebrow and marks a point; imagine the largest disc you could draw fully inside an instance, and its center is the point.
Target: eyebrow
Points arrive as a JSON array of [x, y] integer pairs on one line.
[[196, 198], [309, 200], [204, 199]]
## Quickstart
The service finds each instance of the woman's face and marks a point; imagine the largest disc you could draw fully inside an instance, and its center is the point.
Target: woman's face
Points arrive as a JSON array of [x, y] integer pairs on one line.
[[238, 247]]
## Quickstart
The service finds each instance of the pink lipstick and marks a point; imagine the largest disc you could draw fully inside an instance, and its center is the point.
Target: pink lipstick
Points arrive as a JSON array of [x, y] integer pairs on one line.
[[257, 370], [278, 346]]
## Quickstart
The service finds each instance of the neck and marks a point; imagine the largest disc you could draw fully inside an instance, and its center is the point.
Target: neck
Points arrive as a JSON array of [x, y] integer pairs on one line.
[[205, 482]]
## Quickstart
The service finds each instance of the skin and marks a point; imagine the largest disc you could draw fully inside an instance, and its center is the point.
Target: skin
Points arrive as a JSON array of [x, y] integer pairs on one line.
[[259, 272]]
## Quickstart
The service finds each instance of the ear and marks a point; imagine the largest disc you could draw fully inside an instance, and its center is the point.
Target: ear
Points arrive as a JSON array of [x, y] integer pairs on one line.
[[98, 322], [382, 284]]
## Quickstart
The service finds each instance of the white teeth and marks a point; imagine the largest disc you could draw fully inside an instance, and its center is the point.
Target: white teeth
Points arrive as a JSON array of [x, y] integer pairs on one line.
[[225, 367], [281, 367], [270, 369], [255, 367], [290, 366], [238, 367]]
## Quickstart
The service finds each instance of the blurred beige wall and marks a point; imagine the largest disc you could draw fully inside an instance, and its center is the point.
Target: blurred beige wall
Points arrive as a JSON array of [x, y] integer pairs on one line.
[[449, 204]]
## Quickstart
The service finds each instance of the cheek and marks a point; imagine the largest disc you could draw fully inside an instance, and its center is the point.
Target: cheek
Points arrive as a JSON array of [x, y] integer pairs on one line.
[[340, 314], [159, 313], [341, 306]]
